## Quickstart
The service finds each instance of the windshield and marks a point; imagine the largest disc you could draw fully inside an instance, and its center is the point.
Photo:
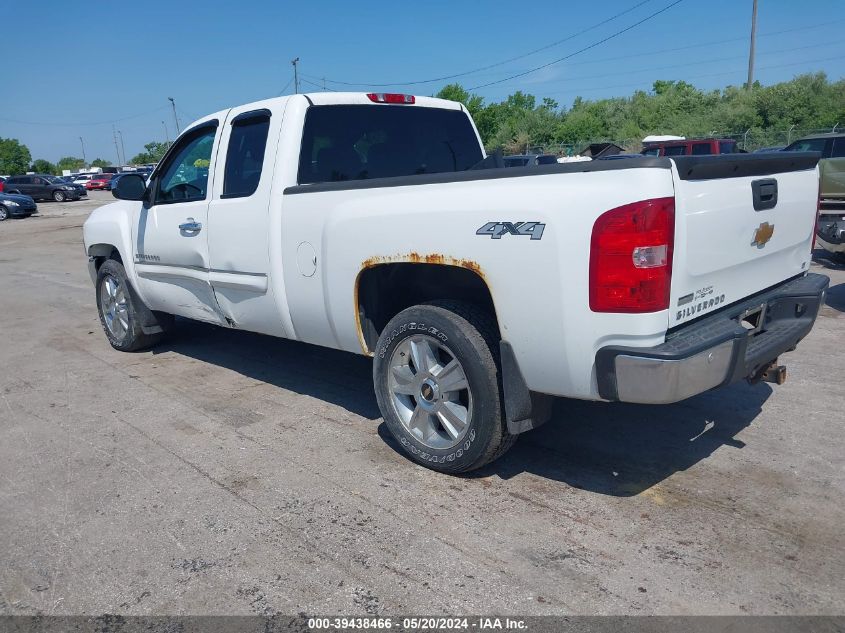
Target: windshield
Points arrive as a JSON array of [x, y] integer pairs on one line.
[[53, 180]]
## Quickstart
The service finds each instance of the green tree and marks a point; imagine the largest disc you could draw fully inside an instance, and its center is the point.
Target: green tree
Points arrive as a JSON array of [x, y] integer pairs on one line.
[[14, 156], [100, 162], [71, 163], [153, 152], [41, 166]]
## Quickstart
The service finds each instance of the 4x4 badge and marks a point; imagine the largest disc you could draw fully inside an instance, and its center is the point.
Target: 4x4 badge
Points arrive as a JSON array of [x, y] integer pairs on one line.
[[763, 234], [497, 229]]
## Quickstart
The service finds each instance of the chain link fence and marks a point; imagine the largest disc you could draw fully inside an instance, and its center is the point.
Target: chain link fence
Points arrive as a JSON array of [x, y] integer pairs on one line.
[[747, 140]]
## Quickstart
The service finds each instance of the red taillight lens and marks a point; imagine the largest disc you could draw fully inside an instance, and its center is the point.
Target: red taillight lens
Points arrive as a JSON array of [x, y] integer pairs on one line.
[[631, 257], [390, 97]]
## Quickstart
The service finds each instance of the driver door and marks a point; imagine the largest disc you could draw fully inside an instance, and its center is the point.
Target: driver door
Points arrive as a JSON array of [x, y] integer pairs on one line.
[[171, 233]]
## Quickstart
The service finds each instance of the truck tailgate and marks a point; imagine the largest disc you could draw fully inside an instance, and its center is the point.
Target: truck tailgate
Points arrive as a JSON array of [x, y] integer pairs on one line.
[[743, 223]]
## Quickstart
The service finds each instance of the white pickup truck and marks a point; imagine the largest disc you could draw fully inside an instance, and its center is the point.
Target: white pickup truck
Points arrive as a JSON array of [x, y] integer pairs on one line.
[[374, 223]]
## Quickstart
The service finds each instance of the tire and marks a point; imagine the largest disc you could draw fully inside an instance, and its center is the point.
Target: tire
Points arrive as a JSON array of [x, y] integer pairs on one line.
[[411, 373], [118, 306], [4, 213], [59, 196]]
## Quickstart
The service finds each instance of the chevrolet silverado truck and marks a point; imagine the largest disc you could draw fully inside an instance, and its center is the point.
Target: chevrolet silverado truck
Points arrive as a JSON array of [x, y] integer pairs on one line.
[[375, 224]]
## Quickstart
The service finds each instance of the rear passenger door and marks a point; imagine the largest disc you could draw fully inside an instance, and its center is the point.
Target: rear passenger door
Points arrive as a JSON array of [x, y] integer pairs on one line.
[[239, 220]]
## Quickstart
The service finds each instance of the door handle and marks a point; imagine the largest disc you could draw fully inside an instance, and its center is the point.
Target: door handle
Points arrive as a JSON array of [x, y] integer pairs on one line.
[[191, 226]]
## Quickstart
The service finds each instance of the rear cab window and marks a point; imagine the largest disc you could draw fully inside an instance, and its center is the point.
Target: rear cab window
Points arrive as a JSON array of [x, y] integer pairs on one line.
[[245, 154], [700, 149], [674, 150], [727, 147], [357, 142]]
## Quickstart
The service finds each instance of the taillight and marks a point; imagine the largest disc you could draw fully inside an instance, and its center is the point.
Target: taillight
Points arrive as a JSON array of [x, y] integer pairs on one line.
[[390, 97], [631, 257]]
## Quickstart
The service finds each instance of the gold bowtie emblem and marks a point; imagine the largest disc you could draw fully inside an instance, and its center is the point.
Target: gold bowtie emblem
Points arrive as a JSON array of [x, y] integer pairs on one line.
[[763, 234]]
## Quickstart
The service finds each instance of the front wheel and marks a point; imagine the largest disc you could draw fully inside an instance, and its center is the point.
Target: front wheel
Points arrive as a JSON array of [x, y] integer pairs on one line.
[[3, 213], [59, 196], [437, 384], [118, 308]]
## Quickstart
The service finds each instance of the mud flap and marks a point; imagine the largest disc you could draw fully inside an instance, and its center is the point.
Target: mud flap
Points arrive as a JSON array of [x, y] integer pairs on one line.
[[524, 409]]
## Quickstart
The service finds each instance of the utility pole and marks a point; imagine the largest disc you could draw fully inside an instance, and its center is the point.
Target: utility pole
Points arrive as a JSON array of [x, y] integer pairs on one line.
[[114, 138], [176, 118], [83, 151], [122, 146], [295, 75], [166, 135], [753, 44]]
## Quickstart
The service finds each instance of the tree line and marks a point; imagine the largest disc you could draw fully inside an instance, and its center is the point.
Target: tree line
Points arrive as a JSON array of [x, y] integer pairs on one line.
[[764, 114], [15, 158]]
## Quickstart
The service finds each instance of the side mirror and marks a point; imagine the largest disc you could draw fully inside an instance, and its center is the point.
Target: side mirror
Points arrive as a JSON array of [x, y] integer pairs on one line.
[[130, 187]]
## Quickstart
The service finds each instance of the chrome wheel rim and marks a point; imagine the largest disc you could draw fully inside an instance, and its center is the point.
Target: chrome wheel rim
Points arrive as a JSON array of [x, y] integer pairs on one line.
[[114, 307], [3, 213], [430, 392]]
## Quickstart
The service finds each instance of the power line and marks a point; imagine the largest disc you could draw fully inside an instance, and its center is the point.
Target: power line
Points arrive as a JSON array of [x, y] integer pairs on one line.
[[286, 87], [311, 83], [580, 50], [489, 66], [591, 61], [687, 64], [719, 74]]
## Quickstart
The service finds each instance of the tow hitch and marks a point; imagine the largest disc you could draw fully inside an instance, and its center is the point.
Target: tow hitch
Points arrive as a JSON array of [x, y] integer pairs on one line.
[[770, 373]]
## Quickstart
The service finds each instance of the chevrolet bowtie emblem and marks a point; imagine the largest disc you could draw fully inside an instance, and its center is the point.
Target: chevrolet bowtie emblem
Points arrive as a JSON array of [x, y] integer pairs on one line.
[[763, 234]]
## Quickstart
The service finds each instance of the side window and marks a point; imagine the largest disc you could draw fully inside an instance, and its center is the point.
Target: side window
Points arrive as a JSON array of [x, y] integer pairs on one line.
[[185, 175], [727, 147], [245, 155], [699, 149], [808, 145], [675, 150], [838, 147]]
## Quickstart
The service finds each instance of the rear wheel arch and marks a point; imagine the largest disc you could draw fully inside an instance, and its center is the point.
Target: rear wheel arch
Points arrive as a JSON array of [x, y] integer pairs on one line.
[[384, 290]]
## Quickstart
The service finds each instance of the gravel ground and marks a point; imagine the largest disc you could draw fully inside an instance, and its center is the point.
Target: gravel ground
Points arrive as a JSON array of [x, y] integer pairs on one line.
[[226, 472]]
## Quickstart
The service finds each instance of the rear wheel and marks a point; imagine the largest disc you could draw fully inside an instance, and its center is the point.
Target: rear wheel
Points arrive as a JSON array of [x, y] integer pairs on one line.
[[59, 196], [118, 308], [437, 383]]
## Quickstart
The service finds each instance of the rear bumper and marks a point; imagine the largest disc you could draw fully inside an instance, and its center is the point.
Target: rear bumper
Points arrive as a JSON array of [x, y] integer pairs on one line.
[[715, 350]]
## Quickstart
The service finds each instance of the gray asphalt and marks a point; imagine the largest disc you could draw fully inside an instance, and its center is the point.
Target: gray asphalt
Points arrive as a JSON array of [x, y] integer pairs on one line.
[[225, 472]]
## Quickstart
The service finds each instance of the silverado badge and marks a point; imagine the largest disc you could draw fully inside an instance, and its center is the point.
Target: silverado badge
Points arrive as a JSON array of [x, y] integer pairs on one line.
[[763, 234]]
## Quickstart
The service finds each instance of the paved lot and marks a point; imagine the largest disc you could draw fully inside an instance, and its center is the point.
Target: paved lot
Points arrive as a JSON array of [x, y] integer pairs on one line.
[[226, 472]]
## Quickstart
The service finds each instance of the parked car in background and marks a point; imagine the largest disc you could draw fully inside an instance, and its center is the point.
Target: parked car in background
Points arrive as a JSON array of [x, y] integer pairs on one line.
[[690, 147], [82, 179], [16, 206], [830, 230], [2, 180], [100, 181], [42, 187], [529, 160], [70, 180]]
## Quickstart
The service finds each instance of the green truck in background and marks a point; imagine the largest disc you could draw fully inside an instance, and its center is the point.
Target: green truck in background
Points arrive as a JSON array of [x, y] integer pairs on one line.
[[830, 230]]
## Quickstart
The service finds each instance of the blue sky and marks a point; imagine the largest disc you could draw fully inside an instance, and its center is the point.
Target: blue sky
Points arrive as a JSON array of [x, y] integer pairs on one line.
[[72, 71]]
